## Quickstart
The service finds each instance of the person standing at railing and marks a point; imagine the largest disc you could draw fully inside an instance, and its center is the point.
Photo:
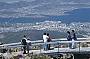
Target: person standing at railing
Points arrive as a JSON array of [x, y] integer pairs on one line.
[[28, 45], [24, 43], [74, 35], [45, 38], [74, 38], [69, 39], [49, 40]]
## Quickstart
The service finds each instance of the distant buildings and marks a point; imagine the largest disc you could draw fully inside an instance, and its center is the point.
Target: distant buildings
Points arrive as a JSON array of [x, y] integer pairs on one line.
[[46, 25]]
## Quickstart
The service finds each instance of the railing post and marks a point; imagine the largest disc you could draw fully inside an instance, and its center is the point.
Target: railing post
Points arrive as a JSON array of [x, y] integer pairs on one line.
[[58, 47], [40, 48], [79, 46]]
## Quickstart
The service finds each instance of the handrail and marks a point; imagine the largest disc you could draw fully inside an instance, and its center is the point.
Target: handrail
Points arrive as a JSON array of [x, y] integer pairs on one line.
[[41, 41], [41, 44], [61, 42], [12, 44]]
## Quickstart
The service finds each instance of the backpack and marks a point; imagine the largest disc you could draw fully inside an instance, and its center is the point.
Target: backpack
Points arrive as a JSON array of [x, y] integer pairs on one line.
[[24, 42], [49, 39]]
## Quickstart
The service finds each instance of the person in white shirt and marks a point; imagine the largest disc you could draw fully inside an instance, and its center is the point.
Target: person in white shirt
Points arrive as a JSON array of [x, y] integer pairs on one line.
[[45, 38]]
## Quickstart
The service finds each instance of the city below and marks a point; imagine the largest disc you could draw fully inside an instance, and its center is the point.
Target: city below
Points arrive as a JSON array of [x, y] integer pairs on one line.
[[46, 25], [34, 31]]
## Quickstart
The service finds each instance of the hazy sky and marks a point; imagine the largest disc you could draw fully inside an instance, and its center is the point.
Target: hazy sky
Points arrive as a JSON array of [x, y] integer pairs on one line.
[[41, 7], [13, 0]]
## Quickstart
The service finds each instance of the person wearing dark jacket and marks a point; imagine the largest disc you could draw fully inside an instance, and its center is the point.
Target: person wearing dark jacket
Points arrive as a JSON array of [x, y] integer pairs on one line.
[[24, 43], [74, 35], [49, 40], [74, 38], [69, 38]]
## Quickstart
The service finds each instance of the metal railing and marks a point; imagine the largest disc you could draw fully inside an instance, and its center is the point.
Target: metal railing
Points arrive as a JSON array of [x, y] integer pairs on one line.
[[58, 44], [58, 47], [80, 45]]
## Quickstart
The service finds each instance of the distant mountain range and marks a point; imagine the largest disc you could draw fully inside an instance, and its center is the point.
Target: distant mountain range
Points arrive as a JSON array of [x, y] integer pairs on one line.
[[78, 15], [39, 10]]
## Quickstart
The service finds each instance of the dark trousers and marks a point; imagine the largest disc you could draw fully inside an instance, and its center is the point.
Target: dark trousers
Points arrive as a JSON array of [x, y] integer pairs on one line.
[[24, 48], [48, 46], [70, 45], [27, 48]]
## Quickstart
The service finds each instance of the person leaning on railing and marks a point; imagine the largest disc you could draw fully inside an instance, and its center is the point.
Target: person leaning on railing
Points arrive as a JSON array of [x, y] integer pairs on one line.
[[69, 39], [49, 40], [74, 38], [45, 38], [24, 43]]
